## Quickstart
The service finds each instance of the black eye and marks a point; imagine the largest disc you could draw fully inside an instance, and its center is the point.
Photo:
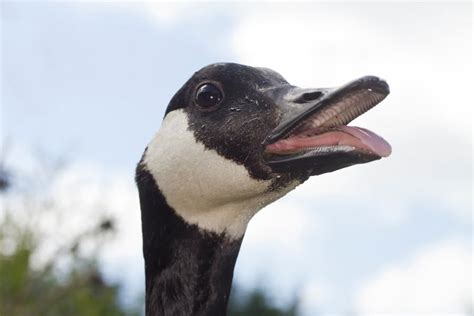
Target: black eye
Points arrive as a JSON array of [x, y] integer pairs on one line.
[[208, 95]]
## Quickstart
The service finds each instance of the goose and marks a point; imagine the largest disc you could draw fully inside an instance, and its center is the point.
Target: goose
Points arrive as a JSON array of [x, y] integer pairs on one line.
[[234, 139]]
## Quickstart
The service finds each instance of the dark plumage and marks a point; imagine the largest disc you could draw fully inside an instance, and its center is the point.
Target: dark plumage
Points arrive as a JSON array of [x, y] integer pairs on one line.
[[187, 271]]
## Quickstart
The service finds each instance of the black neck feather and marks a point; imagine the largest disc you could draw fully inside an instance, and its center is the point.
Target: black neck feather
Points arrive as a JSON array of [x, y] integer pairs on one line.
[[187, 271]]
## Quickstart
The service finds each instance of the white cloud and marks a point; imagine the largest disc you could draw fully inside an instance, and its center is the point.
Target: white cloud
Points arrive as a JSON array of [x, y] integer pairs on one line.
[[281, 225], [314, 296], [168, 13], [435, 280], [165, 13], [162, 13]]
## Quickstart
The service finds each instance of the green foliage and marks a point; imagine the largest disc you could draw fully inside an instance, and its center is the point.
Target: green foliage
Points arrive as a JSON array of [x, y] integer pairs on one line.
[[24, 290]]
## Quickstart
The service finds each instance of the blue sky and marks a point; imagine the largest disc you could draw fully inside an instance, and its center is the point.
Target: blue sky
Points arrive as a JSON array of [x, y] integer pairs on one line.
[[103, 73], [90, 83]]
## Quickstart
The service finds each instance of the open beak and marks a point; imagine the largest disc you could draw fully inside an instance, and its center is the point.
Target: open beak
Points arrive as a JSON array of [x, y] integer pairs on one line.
[[313, 134]]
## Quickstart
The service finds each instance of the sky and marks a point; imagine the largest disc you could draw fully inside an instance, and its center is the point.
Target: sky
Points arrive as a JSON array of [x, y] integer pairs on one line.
[[89, 83]]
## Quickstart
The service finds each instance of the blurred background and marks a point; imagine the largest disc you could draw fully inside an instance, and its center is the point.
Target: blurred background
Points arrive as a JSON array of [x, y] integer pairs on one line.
[[84, 87]]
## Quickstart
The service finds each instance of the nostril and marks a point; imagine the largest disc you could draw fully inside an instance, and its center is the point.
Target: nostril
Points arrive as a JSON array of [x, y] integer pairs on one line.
[[309, 96]]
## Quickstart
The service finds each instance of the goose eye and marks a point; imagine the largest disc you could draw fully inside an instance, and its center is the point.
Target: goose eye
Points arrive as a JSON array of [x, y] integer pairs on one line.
[[208, 96]]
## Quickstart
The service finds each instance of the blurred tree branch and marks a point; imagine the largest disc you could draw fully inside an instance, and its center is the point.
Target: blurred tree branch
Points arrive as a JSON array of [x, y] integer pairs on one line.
[[31, 289]]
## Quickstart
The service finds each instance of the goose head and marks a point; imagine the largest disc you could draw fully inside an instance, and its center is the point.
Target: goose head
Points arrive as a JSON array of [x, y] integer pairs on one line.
[[236, 138]]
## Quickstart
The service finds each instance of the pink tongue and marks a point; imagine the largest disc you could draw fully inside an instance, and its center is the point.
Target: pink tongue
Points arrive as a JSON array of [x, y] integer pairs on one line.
[[376, 143]]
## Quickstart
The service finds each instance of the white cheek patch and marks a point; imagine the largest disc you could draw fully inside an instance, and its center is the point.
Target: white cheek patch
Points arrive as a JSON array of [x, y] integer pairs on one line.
[[203, 187]]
